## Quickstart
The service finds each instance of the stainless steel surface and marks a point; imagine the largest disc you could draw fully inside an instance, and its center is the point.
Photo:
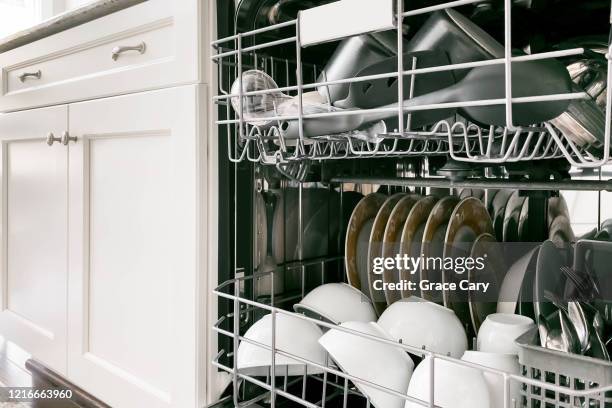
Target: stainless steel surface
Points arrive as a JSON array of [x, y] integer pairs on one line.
[[24, 76], [384, 91], [52, 139], [81, 15], [66, 138], [463, 40], [584, 120], [568, 332], [579, 320], [120, 49], [352, 55]]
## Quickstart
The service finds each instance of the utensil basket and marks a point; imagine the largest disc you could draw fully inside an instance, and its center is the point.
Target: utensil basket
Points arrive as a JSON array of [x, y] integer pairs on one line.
[[577, 373]]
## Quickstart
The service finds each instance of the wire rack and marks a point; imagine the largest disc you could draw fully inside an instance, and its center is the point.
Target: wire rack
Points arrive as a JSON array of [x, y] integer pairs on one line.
[[456, 138], [332, 387]]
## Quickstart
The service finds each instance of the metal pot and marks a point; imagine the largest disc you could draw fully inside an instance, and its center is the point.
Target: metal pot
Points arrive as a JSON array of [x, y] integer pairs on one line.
[[352, 55]]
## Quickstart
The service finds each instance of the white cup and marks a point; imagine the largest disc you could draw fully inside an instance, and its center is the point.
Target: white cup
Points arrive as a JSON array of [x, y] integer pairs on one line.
[[499, 330]]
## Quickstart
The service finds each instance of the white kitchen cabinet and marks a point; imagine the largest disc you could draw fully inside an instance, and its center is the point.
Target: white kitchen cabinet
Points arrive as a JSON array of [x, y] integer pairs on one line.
[[134, 323], [102, 244], [33, 263]]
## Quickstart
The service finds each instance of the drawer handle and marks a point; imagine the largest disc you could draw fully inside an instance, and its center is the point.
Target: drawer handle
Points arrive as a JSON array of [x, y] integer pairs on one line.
[[52, 139], [27, 75], [66, 138], [118, 50]]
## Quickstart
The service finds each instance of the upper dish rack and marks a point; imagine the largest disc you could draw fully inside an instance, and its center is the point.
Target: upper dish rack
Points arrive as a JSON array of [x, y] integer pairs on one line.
[[285, 137]]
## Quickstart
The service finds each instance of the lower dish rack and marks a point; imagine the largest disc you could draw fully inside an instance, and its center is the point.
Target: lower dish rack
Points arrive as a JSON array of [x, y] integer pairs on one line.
[[546, 379]]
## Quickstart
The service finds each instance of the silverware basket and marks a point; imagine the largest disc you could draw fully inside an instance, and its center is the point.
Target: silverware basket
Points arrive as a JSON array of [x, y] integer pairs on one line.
[[579, 374]]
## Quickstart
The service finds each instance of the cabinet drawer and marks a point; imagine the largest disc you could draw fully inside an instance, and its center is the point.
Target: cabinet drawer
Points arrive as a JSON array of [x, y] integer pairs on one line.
[[147, 46]]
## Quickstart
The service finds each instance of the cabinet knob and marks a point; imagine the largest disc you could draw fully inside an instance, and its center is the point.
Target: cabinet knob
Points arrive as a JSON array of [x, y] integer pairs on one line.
[[120, 49], [66, 138], [52, 139]]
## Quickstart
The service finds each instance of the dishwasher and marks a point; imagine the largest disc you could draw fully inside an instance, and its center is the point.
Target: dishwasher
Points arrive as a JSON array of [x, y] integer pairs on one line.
[[414, 203]]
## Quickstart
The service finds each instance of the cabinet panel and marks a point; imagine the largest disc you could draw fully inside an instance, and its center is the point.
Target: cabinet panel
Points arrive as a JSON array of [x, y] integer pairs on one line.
[[34, 234], [129, 263], [133, 331]]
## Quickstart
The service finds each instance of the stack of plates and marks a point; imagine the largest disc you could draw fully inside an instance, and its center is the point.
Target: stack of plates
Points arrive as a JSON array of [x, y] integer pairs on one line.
[[425, 228]]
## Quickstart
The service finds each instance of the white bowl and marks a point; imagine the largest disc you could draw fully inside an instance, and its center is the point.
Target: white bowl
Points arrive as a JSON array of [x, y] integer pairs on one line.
[[499, 330], [504, 362], [337, 303], [455, 386], [379, 363], [419, 323], [293, 335]]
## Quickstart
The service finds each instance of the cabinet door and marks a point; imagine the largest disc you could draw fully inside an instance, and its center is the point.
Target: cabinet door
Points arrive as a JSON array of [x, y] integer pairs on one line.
[[132, 249], [33, 266]]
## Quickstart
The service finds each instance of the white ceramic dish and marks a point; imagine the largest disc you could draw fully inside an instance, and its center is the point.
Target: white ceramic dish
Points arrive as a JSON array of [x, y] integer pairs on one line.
[[455, 386], [499, 330], [510, 291], [504, 362], [379, 363], [293, 335], [337, 303], [425, 324]]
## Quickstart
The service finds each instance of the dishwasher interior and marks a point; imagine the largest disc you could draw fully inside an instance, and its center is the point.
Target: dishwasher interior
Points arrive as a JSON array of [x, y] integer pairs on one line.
[[432, 230]]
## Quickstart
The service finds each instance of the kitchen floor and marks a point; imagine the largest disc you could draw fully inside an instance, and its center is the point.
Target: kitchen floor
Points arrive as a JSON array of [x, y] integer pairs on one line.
[[16, 370]]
